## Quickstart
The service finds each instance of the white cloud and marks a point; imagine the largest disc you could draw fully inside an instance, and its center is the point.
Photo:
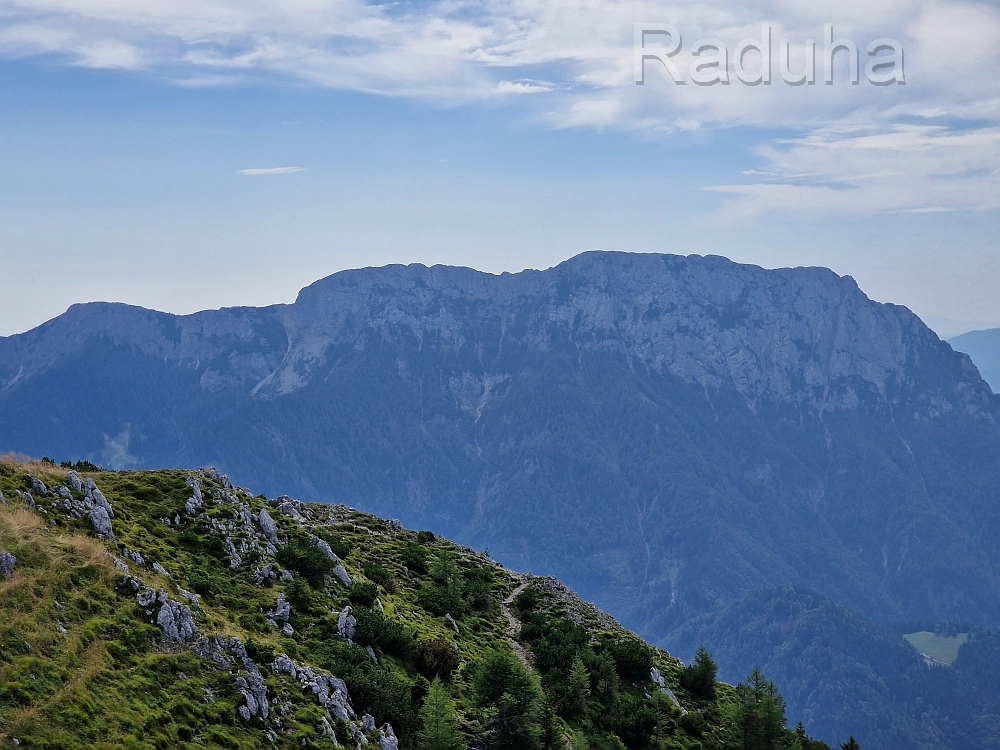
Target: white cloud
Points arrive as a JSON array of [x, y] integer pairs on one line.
[[575, 58], [270, 171], [907, 168], [522, 87]]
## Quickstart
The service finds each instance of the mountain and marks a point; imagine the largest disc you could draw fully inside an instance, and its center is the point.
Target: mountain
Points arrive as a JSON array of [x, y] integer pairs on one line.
[[173, 609], [883, 692], [984, 349], [666, 434]]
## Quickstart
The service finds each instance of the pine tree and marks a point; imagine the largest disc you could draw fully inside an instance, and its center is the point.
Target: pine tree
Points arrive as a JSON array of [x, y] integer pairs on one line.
[[851, 744], [440, 720]]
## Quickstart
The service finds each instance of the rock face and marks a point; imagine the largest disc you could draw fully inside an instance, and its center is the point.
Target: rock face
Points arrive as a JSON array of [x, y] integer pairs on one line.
[[682, 418]]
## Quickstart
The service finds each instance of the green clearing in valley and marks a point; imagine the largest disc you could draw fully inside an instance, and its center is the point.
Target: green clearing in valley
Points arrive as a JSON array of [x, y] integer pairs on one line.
[[940, 648]]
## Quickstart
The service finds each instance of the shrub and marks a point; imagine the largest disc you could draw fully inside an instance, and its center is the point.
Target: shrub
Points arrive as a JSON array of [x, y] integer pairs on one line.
[[375, 629], [437, 658], [439, 602], [527, 600], [377, 573], [363, 593], [302, 556], [201, 583], [299, 595], [632, 719], [340, 547], [501, 681], [633, 658], [414, 557], [477, 588], [260, 652], [425, 537]]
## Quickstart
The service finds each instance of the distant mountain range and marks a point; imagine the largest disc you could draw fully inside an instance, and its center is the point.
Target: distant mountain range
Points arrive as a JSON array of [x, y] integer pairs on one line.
[[667, 434], [984, 348]]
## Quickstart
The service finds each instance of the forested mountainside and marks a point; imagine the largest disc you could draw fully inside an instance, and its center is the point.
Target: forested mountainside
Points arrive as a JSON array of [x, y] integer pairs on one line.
[[172, 609], [884, 691]]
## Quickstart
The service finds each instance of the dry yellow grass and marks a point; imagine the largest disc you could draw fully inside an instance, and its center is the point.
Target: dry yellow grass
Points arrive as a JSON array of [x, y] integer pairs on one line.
[[19, 521], [32, 466], [19, 526]]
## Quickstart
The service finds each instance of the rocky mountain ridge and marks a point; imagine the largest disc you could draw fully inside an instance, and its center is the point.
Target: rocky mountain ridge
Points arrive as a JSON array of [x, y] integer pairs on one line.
[[769, 334]]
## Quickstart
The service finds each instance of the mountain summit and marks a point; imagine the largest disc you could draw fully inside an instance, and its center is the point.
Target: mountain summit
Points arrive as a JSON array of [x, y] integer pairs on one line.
[[665, 433]]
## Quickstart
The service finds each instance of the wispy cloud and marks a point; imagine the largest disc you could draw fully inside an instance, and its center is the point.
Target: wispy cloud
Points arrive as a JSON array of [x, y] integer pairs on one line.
[[270, 171], [904, 169]]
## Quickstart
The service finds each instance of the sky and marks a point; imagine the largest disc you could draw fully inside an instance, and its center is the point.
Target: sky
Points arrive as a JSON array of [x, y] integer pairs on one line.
[[188, 155]]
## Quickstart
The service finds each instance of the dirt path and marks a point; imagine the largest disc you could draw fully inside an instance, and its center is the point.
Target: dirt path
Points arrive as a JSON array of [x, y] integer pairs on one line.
[[513, 626]]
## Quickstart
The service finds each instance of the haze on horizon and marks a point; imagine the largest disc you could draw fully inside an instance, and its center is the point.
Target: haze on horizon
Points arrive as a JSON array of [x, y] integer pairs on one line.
[[191, 156]]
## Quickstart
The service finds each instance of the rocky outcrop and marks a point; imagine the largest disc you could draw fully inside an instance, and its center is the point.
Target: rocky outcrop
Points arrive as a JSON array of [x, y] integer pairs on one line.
[[101, 521], [279, 616], [293, 508], [73, 480], [7, 565], [387, 738], [324, 546], [347, 624], [661, 684], [331, 694], [194, 503], [232, 653], [38, 488], [176, 620], [268, 526]]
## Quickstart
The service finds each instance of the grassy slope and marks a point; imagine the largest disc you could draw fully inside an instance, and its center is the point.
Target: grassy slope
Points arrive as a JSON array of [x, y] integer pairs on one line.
[[941, 648], [80, 665]]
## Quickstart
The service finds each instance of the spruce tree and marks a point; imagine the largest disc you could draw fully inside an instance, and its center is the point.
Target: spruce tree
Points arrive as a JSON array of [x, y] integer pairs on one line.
[[440, 720], [851, 744], [577, 689], [699, 677], [762, 713]]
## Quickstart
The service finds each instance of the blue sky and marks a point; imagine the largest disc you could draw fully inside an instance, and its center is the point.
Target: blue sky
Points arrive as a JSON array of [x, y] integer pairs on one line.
[[498, 135]]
